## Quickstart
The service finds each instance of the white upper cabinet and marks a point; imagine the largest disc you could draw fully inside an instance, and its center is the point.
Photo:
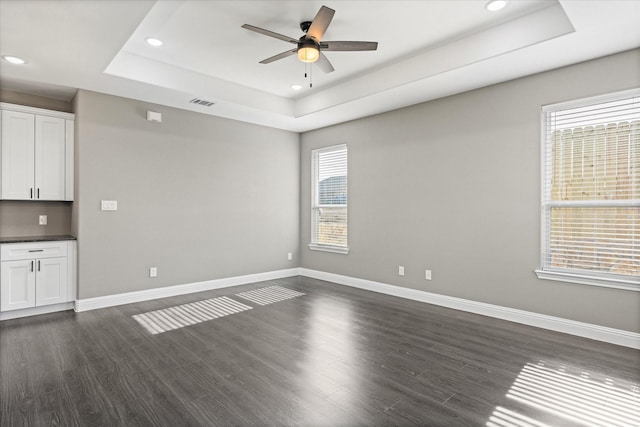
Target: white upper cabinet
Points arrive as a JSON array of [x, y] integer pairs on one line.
[[18, 152], [36, 153], [50, 158]]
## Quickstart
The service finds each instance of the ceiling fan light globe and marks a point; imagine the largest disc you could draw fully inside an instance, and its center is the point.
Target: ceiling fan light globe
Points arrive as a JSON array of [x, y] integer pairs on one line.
[[308, 54]]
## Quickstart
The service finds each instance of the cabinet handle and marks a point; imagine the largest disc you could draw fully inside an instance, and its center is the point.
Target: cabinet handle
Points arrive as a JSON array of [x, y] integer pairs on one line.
[[38, 193], [32, 266], [31, 193], [36, 250], [38, 265]]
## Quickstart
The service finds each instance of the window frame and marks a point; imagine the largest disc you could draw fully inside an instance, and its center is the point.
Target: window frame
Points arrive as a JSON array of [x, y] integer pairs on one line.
[[314, 245], [584, 277]]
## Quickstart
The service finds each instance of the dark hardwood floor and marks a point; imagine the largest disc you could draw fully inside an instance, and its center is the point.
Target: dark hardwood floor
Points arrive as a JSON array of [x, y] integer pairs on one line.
[[333, 356]]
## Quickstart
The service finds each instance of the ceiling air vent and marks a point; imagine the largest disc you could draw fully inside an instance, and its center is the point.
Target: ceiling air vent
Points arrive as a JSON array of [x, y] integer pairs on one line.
[[201, 102]]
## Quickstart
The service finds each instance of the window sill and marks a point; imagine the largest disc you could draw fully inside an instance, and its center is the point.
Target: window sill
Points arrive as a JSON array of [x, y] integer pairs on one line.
[[328, 248], [616, 283]]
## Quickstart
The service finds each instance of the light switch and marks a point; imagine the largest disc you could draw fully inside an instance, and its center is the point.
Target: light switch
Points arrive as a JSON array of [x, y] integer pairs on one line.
[[42, 220], [109, 205], [154, 116]]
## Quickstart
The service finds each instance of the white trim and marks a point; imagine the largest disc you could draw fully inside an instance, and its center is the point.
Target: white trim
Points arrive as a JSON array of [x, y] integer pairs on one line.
[[69, 165], [14, 314], [606, 282], [587, 330], [315, 246], [329, 248], [170, 291], [330, 148], [598, 99], [598, 278]]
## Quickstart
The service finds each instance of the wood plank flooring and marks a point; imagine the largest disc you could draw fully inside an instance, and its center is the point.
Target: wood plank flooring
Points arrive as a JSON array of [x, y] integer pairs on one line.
[[334, 356]]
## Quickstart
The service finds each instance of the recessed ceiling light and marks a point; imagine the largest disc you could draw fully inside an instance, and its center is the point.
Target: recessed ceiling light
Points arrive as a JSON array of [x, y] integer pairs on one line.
[[296, 87], [495, 5], [154, 42], [13, 59]]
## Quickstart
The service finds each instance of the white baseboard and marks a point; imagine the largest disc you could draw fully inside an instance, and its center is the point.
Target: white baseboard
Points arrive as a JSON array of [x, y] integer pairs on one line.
[[25, 312], [170, 291], [587, 330]]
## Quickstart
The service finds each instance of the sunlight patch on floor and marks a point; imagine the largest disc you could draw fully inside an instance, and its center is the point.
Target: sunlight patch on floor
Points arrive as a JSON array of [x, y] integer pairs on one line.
[[168, 319], [269, 295], [571, 394], [503, 417]]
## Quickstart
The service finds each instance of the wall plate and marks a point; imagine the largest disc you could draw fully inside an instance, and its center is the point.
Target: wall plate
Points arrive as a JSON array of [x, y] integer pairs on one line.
[[109, 205]]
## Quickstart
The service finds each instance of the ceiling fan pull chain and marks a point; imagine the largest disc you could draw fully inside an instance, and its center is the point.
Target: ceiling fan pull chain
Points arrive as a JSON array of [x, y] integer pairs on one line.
[[308, 73]]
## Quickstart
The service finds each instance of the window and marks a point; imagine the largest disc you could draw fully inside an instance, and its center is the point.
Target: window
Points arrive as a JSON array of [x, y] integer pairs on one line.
[[591, 191], [329, 199]]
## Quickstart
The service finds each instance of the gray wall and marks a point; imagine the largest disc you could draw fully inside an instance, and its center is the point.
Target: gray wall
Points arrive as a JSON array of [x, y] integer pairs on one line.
[[21, 218], [199, 197], [30, 100], [453, 185]]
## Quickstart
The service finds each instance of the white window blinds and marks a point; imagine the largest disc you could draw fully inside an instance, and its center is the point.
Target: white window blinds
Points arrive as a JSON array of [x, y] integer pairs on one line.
[[329, 199], [591, 189]]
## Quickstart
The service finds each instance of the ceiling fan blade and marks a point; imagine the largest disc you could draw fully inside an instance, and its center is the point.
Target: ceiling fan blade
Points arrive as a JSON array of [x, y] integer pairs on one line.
[[324, 64], [270, 33], [279, 56], [320, 23], [348, 45]]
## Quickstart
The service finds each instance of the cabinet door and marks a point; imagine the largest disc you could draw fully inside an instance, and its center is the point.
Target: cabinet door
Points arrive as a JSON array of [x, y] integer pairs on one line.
[[17, 156], [52, 286], [17, 285], [50, 159]]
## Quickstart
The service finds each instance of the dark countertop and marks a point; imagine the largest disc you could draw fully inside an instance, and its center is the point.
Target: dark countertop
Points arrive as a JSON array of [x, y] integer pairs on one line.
[[26, 239]]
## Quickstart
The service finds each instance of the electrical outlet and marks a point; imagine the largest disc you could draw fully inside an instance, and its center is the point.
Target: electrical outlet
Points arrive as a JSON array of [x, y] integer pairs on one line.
[[427, 274], [109, 205], [42, 220], [153, 272], [400, 270], [289, 256]]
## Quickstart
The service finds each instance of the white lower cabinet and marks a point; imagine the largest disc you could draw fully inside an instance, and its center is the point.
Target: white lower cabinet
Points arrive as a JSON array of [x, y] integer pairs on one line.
[[52, 286], [36, 274], [18, 285]]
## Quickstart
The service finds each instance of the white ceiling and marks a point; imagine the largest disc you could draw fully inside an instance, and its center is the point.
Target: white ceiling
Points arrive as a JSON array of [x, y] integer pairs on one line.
[[427, 49]]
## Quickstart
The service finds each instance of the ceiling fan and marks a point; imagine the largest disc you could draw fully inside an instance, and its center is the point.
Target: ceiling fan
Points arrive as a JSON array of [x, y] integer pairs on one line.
[[310, 46]]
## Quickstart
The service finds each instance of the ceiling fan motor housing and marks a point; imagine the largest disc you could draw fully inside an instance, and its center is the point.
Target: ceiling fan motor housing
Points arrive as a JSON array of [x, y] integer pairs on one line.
[[305, 41], [304, 26]]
